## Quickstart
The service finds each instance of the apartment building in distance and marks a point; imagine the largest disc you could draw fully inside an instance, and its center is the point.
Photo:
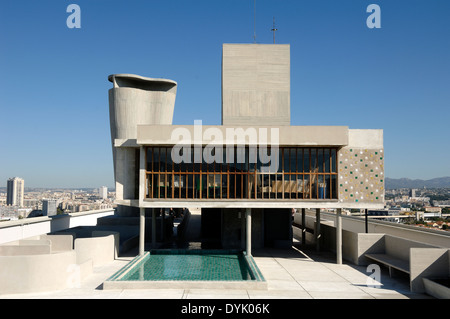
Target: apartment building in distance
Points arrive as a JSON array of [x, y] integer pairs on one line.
[[15, 191]]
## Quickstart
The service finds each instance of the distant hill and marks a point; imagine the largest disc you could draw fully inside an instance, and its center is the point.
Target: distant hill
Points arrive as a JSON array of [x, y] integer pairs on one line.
[[439, 182]]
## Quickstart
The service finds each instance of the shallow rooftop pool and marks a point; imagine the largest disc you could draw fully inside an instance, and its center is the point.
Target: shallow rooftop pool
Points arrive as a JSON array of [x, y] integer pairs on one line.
[[189, 269]]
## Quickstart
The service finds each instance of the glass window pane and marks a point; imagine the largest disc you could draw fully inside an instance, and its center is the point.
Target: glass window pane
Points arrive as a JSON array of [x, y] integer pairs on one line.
[[190, 186], [306, 157], [156, 161], [252, 158], [246, 160], [286, 160], [240, 158], [169, 163], [333, 160], [326, 158], [299, 160], [313, 159], [162, 159], [280, 159], [293, 160], [320, 159], [149, 158], [333, 186]]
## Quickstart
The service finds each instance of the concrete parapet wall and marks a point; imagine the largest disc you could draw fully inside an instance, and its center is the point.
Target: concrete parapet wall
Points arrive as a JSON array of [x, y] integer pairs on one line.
[[368, 244], [357, 225], [428, 263], [11, 231], [400, 247], [25, 250], [59, 242], [116, 237], [100, 250], [37, 273], [48, 262]]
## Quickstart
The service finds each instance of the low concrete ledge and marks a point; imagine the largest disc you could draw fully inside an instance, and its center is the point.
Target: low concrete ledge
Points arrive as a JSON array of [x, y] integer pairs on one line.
[[435, 289], [48, 262], [59, 242], [428, 263], [28, 227], [115, 282], [37, 273], [24, 250], [101, 249], [173, 284]]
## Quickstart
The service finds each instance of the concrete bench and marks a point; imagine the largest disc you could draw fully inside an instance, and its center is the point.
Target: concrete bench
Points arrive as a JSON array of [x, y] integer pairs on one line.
[[390, 262], [416, 259]]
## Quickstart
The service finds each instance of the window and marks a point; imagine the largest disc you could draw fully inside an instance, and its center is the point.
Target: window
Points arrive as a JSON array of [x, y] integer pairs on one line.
[[299, 173]]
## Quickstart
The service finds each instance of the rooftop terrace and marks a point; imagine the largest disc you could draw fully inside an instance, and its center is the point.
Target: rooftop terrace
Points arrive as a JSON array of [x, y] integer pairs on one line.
[[296, 273], [299, 272]]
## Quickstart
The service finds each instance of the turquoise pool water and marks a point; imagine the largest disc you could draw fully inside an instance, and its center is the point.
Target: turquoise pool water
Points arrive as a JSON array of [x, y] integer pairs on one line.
[[191, 265]]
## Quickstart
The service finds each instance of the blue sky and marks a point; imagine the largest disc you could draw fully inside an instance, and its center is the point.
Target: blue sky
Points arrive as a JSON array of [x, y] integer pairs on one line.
[[54, 122]]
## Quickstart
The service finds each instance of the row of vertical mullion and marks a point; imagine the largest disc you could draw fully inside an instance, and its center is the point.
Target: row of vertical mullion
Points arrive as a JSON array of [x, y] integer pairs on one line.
[[254, 175]]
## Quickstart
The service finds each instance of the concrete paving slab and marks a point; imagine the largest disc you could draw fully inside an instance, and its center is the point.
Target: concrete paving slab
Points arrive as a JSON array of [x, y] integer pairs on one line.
[[217, 295], [339, 295], [279, 294], [284, 285], [151, 293], [321, 286]]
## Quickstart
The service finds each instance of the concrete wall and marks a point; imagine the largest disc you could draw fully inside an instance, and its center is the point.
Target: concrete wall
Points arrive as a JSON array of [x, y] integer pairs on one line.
[[428, 263], [357, 225], [135, 100], [361, 168], [425, 260], [356, 242], [255, 84], [36, 273], [29, 227], [101, 248], [48, 262], [40, 263], [226, 134], [38, 248]]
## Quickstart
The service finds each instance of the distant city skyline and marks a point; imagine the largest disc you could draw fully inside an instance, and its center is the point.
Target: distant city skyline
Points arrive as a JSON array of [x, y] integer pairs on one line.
[[54, 111]]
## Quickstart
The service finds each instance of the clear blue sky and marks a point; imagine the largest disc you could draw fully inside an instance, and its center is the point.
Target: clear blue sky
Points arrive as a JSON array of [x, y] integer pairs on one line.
[[54, 122]]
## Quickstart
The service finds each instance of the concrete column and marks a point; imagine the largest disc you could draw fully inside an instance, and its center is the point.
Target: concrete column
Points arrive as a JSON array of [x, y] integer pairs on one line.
[[153, 227], [339, 236], [366, 221], [317, 230], [163, 214], [142, 176], [248, 239], [142, 232], [304, 226]]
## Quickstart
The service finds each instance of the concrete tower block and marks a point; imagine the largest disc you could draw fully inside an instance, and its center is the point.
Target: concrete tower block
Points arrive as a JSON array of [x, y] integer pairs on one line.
[[256, 84], [135, 100]]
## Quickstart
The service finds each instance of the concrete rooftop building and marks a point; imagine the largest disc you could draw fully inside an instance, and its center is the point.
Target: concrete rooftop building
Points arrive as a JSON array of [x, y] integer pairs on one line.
[[240, 181], [255, 165]]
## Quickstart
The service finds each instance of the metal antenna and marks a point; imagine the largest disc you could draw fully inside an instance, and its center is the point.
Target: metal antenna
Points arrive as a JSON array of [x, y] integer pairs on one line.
[[254, 21], [274, 30]]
